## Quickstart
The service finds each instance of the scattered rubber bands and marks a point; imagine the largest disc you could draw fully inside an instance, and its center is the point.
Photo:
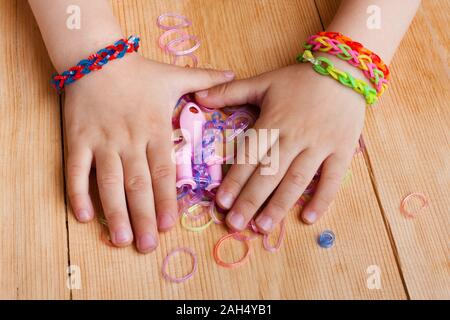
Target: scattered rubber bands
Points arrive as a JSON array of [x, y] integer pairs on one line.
[[224, 264], [403, 205], [185, 277], [173, 46]]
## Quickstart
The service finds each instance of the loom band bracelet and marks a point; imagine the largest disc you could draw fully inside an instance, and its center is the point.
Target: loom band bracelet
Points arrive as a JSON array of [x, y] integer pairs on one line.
[[161, 41], [361, 61], [194, 228], [185, 21], [359, 48], [182, 278], [344, 78], [171, 46], [424, 203], [220, 262], [281, 236]]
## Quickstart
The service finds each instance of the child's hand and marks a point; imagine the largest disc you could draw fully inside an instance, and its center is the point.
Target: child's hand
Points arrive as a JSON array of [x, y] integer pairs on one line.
[[319, 120], [120, 118]]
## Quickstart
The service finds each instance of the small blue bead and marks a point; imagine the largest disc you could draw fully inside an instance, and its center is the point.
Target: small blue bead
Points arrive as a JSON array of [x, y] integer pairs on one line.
[[326, 239]]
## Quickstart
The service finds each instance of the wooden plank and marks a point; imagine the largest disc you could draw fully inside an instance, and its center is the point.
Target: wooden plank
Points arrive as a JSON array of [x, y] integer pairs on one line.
[[33, 255], [249, 37], [407, 139]]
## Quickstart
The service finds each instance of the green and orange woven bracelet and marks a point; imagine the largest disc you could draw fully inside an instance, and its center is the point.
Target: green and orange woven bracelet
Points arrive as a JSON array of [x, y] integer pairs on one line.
[[354, 53]]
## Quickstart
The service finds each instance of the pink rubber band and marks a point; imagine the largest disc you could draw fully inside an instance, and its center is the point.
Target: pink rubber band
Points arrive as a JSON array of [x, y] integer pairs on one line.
[[418, 195], [176, 42], [166, 34], [277, 246], [185, 22], [185, 277]]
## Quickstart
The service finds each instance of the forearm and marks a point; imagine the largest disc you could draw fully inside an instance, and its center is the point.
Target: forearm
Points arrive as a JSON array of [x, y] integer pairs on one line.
[[396, 16], [65, 46]]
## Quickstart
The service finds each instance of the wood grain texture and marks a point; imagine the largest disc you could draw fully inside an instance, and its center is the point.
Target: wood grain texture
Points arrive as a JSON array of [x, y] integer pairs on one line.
[[33, 242], [249, 37], [408, 145]]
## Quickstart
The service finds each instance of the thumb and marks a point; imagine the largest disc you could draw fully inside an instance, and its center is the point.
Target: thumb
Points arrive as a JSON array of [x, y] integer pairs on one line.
[[200, 79], [247, 91]]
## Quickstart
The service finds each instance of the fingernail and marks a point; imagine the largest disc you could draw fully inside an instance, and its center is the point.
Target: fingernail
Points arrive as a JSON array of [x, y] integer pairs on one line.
[[122, 236], [83, 216], [229, 74], [226, 199], [202, 94], [165, 221], [264, 223], [236, 220], [310, 217], [147, 242]]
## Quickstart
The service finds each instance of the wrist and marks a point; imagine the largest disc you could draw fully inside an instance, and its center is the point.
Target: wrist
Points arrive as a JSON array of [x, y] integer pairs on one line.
[[81, 47]]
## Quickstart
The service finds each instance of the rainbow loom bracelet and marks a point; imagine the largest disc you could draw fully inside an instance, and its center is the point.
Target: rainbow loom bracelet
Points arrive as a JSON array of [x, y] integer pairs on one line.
[[354, 53], [325, 67], [95, 62]]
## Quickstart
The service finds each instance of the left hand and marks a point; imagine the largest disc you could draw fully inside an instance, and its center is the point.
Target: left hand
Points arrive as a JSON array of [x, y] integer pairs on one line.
[[319, 122]]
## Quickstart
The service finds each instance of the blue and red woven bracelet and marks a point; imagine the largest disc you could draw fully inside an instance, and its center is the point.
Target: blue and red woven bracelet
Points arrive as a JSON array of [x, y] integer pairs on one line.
[[95, 62]]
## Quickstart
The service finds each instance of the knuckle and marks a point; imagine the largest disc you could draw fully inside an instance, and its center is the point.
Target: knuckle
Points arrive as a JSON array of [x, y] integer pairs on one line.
[[161, 172], [75, 170], [323, 201], [298, 179], [231, 184], [332, 178], [249, 204], [277, 208], [115, 215], [109, 179], [137, 183]]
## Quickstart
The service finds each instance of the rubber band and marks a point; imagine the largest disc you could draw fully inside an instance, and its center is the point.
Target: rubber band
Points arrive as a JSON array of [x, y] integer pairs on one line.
[[235, 264], [185, 22], [213, 212], [106, 239], [168, 33], [185, 277], [193, 58], [176, 42], [193, 228], [190, 211], [277, 246], [417, 195]]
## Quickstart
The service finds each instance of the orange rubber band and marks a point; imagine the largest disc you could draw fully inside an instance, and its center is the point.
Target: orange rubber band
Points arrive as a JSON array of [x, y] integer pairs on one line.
[[418, 195], [224, 264]]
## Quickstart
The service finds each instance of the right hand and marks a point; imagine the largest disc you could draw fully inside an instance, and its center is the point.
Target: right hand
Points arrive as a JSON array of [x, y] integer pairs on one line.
[[119, 118]]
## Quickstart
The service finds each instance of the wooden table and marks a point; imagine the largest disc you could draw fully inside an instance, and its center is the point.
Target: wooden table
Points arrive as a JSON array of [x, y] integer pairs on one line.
[[407, 150]]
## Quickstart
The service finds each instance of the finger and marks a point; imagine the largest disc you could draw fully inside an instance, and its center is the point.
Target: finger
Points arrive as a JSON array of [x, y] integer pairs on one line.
[[256, 191], [294, 183], [138, 188], [79, 164], [200, 79], [162, 170], [247, 91], [112, 196], [333, 172], [250, 151]]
